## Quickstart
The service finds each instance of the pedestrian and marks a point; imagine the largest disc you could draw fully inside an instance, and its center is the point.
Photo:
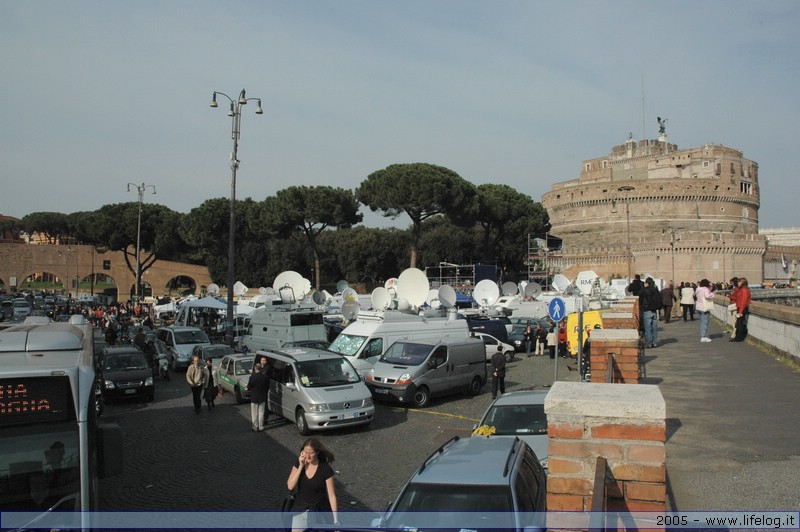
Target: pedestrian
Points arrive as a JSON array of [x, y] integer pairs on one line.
[[732, 304], [498, 372], [552, 342], [311, 480], [742, 310], [139, 339], [703, 304], [529, 336], [541, 340], [667, 298], [687, 300], [259, 388], [111, 334], [562, 339], [196, 377], [635, 286], [650, 303], [211, 385]]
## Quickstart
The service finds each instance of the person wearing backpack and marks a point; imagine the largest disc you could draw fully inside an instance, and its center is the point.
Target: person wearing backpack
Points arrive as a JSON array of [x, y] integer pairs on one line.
[[650, 304]]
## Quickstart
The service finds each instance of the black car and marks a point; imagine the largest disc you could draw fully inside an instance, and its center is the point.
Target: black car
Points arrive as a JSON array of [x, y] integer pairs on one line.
[[126, 373]]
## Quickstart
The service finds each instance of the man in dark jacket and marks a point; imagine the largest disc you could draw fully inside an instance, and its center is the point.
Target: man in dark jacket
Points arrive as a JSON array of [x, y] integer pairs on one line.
[[258, 386], [498, 372], [650, 303], [636, 286], [667, 298]]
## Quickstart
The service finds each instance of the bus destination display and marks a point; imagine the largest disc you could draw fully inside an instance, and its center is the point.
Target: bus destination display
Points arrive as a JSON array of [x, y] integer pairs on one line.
[[34, 400]]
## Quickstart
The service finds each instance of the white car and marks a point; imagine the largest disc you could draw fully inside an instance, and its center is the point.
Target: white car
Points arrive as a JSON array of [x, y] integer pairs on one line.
[[491, 343]]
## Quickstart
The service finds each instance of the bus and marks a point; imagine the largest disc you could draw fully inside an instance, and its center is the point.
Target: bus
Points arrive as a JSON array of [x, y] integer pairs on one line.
[[52, 448]]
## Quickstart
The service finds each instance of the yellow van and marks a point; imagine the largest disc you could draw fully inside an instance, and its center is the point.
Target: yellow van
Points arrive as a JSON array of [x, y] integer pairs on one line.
[[590, 319]]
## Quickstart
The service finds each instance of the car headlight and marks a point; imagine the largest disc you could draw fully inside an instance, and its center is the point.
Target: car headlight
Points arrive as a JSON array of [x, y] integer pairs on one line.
[[319, 407], [403, 379], [368, 401], [109, 385], [148, 381], [183, 356]]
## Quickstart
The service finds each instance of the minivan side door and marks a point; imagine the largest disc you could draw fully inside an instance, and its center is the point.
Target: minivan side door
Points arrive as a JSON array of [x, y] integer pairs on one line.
[[440, 376], [280, 399]]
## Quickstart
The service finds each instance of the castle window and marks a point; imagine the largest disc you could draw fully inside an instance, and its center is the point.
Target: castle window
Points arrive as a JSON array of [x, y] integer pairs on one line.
[[588, 167], [705, 164], [745, 188], [605, 164], [733, 169], [694, 176]]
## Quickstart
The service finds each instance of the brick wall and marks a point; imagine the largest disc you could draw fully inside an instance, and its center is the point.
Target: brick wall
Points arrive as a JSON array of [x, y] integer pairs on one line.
[[624, 345], [626, 425]]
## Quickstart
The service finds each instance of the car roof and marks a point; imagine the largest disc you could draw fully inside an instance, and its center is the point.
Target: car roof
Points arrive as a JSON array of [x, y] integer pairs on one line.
[[239, 356], [525, 397], [181, 328], [121, 349], [476, 460]]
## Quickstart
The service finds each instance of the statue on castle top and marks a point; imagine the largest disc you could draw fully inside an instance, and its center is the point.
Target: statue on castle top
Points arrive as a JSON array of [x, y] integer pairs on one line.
[[662, 125]]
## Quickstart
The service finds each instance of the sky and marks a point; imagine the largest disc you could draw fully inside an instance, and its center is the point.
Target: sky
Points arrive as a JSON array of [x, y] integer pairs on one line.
[[100, 94]]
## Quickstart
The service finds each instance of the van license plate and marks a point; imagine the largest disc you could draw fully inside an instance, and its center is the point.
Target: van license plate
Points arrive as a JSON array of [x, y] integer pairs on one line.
[[381, 390], [130, 391]]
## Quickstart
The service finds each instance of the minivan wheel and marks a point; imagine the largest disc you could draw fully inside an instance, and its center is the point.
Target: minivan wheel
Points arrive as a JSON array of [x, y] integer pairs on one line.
[[300, 422], [421, 397], [475, 386], [509, 356]]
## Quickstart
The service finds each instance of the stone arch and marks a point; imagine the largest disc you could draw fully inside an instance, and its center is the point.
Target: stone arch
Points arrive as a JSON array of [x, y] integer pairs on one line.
[[181, 285]]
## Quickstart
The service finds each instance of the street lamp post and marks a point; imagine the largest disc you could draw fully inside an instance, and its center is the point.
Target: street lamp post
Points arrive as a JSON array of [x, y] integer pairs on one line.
[[626, 189], [140, 189], [235, 113]]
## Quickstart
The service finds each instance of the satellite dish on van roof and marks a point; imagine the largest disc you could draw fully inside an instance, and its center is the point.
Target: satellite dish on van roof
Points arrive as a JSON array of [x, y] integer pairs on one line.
[[290, 285], [585, 280], [349, 294], [533, 290], [350, 310], [262, 291], [413, 286], [486, 293], [341, 285], [381, 298], [403, 304], [509, 288], [239, 288], [318, 297], [447, 296], [212, 289], [560, 282], [432, 299]]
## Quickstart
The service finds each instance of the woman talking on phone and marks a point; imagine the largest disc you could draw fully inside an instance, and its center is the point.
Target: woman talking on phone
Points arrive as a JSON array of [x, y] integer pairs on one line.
[[312, 481]]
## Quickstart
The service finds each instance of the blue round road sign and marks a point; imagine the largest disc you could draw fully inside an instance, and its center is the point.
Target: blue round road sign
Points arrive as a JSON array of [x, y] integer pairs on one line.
[[557, 309]]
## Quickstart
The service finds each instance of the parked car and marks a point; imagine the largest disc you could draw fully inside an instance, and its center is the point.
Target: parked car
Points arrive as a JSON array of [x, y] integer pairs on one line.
[[520, 415], [213, 351], [473, 483], [180, 342], [22, 309], [491, 343], [126, 373], [233, 373]]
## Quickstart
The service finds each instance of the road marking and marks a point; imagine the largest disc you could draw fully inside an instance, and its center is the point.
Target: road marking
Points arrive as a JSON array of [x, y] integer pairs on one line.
[[434, 413]]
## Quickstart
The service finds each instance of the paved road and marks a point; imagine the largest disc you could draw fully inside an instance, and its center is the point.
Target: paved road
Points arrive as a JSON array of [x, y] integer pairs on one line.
[[175, 459], [733, 422]]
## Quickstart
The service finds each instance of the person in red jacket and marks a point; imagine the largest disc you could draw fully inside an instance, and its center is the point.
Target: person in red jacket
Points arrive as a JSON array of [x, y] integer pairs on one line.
[[732, 303], [562, 340], [742, 311]]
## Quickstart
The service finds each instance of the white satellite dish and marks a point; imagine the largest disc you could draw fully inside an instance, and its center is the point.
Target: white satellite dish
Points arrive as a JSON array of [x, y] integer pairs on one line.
[[486, 293], [306, 288], [350, 310], [391, 286], [447, 296], [560, 282], [212, 289], [318, 297], [349, 294], [262, 291], [533, 290], [585, 280], [403, 304], [341, 285], [240, 289], [432, 299], [413, 286], [290, 285], [381, 298], [509, 288]]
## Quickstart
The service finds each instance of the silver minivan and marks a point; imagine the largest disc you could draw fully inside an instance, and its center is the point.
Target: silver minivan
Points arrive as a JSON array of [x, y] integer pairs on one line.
[[316, 389], [413, 372]]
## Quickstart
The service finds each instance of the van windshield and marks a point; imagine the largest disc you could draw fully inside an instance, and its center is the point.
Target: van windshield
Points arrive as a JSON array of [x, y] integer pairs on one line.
[[347, 344], [406, 354], [326, 372]]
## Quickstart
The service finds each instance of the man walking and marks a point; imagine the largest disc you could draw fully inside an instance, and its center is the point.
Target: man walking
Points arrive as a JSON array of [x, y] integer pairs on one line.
[[498, 372], [258, 386], [196, 377], [667, 298], [650, 303]]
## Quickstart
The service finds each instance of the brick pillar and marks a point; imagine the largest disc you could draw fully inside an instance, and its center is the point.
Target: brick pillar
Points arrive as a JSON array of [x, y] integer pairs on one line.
[[624, 345], [626, 424]]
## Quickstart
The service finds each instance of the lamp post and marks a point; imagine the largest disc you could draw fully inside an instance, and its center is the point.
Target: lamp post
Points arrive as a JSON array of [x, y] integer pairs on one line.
[[235, 113], [140, 189], [626, 189]]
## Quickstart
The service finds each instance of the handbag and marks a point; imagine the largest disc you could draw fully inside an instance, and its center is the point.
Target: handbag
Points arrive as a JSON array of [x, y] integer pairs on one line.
[[288, 503]]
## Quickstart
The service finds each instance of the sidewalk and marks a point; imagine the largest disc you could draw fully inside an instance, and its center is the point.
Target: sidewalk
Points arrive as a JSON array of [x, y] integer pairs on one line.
[[733, 421]]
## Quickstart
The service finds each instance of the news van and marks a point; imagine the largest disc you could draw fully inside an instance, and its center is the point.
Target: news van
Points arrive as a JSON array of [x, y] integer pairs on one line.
[[271, 327], [370, 335]]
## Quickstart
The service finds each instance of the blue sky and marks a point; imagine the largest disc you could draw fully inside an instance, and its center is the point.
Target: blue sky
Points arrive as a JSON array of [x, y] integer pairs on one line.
[[97, 94]]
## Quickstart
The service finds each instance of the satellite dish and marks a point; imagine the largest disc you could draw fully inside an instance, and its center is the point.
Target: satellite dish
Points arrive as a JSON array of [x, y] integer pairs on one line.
[[212, 289], [391, 286], [585, 280], [486, 293], [432, 298], [262, 291], [350, 310], [509, 288], [290, 285], [349, 294], [240, 289], [447, 296], [306, 288], [318, 297], [533, 290], [413, 286], [269, 291], [381, 298], [560, 282], [341, 285], [403, 305]]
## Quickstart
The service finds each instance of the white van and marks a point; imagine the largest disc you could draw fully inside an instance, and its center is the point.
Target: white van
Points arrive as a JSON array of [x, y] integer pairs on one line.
[[412, 372], [272, 326], [367, 338]]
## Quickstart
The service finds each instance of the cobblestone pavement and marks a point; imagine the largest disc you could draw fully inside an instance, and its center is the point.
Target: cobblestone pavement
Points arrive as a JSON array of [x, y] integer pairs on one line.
[[178, 460]]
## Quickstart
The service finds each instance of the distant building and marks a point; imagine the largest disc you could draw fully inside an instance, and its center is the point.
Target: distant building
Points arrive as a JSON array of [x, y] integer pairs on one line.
[[9, 235]]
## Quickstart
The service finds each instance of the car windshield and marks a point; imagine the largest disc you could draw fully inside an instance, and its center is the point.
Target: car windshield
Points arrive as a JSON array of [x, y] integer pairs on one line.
[[406, 354], [510, 420], [326, 372], [216, 352], [243, 367], [347, 344], [436, 499], [125, 362], [190, 337]]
